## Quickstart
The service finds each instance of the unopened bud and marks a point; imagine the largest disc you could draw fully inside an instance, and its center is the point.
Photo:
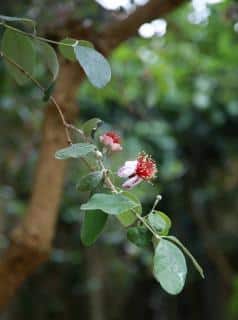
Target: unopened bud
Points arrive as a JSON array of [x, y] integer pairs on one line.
[[158, 197], [98, 154]]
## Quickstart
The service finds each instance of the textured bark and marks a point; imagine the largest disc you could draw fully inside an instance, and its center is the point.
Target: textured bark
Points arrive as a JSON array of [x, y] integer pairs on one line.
[[31, 240]]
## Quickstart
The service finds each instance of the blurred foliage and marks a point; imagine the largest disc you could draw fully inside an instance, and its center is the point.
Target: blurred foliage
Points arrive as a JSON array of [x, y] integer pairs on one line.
[[175, 97]]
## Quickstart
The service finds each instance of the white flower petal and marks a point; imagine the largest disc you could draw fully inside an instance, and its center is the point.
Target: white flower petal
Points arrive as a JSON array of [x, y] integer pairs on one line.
[[132, 182], [128, 169]]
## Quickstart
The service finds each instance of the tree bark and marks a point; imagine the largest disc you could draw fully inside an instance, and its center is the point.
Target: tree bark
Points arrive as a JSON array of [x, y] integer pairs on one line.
[[31, 240]]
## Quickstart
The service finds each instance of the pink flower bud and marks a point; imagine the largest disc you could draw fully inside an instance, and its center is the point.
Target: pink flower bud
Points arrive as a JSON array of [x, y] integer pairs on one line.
[[111, 140]]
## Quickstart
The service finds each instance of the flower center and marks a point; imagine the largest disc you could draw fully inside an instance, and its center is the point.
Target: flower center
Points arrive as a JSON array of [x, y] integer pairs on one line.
[[146, 167], [115, 137]]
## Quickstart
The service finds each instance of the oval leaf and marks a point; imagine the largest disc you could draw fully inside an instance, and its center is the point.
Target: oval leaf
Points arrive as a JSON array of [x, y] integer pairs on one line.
[[127, 218], [93, 224], [160, 222], [170, 267], [140, 236], [90, 181], [94, 65], [50, 58], [90, 127], [20, 49], [66, 47], [188, 253], [113, 204], [76, 150], [67, 50]]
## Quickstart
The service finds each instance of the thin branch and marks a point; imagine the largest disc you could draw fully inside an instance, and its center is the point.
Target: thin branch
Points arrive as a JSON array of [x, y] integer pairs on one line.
[[120, 31], [37, 83], [34, 36], [113, 188]]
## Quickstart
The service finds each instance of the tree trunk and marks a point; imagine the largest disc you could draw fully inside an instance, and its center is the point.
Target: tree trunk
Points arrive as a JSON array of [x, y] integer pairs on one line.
[[31, 240]]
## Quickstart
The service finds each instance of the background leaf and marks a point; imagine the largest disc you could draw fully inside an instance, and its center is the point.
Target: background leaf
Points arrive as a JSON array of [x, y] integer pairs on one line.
[[19, 48], [94, 65], [93, 224], [170, 267], [76, 150]]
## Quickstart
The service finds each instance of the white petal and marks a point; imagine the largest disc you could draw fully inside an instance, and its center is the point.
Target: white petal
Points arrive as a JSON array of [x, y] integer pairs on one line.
[[132, 182], [128, 169]]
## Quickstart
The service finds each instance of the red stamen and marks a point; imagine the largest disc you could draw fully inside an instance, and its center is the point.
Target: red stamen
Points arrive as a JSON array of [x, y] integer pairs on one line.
[[146, 167]]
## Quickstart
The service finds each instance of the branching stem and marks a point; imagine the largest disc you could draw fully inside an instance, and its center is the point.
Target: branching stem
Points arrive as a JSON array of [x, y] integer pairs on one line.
[[68, 126]]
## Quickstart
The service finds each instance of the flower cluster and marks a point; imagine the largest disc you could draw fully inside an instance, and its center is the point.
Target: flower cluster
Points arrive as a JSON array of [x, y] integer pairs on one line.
[[143, 168]]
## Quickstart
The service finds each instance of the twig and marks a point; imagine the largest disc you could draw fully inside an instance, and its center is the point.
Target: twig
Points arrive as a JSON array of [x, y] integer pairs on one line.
[[32, 35], [37, 83], [112, 187], [68, 126]]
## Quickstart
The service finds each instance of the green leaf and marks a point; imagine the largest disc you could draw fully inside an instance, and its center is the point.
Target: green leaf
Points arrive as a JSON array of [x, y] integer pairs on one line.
[[66, 47], [140, 236], [128, 217], [113, 204], [21, 50], [90, 181], [93, 224], [68, 51], [17, 19], [170, 267], [50, 58], [76, 150], [160, 222], [85, 43], [188, 253], [90, 127], [94, 65]]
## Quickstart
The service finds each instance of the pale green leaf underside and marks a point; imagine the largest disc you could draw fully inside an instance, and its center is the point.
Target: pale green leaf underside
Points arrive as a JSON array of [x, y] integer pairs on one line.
[[188, 253], [170, 267], [94, 65], [113, 204], [76, 150]]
